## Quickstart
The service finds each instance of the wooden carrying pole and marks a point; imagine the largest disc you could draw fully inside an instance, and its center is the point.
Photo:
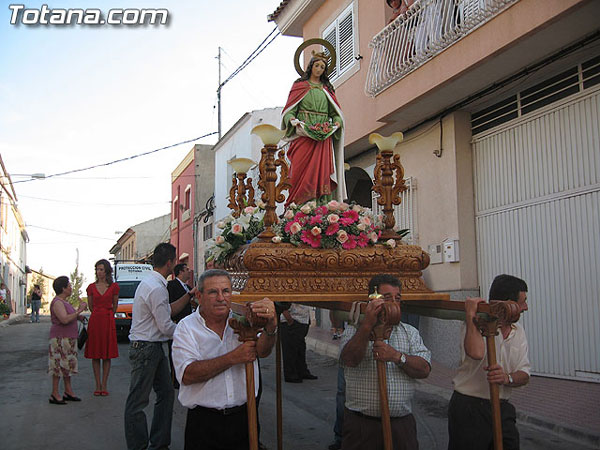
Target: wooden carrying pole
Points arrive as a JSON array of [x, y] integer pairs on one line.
[[386, 422], [278, 389], [489, 334], [251, 404]]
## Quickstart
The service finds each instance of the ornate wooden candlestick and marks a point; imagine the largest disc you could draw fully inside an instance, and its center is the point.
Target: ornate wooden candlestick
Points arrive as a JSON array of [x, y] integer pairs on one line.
[[248, 330], [388, 318], [502, 312], [272, 191], [389, 190], [241, 193]]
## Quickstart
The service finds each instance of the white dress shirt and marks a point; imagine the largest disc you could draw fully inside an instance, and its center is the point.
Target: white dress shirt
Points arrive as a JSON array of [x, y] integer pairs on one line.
[[151, 319], [194, 341], [511, 354]]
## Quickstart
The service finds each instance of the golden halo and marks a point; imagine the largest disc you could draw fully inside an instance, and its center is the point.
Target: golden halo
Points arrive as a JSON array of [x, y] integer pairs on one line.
[[313, 41]]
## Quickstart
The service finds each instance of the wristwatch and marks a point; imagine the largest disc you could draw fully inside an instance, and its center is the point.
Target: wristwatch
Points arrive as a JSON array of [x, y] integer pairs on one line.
[[510, 379], [402, 359]]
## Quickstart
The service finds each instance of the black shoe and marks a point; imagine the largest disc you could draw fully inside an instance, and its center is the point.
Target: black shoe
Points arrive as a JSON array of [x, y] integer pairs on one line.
[[54, 401], [335, 446], [71, 398], [293, 380], [309, 376]]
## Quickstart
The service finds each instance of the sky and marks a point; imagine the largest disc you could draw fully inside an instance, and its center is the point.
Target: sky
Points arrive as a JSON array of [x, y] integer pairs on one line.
[[76, 96]]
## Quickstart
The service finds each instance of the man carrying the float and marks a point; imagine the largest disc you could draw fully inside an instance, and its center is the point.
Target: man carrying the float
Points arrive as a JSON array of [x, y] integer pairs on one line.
[[469, 412], [209, 363], [406, 358]]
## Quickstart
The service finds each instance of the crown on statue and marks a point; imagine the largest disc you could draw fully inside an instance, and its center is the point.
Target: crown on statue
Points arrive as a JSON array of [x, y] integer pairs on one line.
[[321, 55]]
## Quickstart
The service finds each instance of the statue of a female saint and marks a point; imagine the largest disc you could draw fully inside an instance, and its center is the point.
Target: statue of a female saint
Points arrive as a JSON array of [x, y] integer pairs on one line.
[[314, 125]]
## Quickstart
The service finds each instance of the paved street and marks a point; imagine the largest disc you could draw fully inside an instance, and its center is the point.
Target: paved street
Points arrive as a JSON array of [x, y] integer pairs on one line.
[[30, 422]]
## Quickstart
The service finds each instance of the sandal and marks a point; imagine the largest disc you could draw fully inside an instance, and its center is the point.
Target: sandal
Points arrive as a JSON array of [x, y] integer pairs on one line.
[[104, 393], [71, 398], [55, 401], [97, 393]]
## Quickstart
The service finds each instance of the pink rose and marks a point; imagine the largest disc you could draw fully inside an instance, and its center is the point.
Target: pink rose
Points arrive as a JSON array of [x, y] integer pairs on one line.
[[374, 237], [289, 214], [333, 218], [357, 208], [344, 206], [361, 226], [295, 228], [219, 239], [315, 231], [365, 220], [306, 209], [333, 205], [249, 210], [342, 236], [237, 229]]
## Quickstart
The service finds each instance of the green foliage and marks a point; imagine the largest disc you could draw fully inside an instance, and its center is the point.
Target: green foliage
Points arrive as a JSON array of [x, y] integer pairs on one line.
[[4, 309], [77, 280]]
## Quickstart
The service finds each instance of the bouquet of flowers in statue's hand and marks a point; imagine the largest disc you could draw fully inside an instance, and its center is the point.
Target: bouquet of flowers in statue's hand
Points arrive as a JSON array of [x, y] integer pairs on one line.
[[235, 232], [334, 225], [320, 131]]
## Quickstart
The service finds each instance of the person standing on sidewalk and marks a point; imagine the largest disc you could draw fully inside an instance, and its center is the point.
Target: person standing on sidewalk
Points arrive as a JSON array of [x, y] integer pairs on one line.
[[469, 411], [151, 326], [36, 303], [406, 358], [294, 323]]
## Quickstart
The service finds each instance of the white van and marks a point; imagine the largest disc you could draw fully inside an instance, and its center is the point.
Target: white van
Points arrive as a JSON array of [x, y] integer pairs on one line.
[[128, 277]]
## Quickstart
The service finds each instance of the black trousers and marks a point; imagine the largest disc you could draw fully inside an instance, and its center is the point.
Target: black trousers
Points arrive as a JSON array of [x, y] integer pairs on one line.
[[470, 424], [293, 347], [366, 433], [207, 429]]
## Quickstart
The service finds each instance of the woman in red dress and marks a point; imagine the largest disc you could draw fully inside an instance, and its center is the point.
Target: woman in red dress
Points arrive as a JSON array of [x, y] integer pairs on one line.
[[103, 297]]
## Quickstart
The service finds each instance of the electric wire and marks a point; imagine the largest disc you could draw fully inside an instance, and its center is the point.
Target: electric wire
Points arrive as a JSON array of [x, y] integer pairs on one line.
[[70, 232], [128, 158]]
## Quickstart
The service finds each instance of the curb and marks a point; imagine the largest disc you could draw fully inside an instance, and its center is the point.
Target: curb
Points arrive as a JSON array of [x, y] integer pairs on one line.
[[569, 433]]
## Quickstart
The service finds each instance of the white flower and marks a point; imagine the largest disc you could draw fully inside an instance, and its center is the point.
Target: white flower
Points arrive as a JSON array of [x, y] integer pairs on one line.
[[361, 226], [276, 239], [312, 204], [390, 243], [261, 204], [228, 219], [357, 208], [289, 214], [221, 225], [306, 209], [293, 205], [244, 221]]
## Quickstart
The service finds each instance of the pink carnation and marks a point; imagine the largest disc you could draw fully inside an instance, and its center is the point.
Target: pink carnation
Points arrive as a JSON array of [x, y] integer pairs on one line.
[[350, 243], [332, 229], [321, 210], [310, 239], [316, 220], [349, 217]]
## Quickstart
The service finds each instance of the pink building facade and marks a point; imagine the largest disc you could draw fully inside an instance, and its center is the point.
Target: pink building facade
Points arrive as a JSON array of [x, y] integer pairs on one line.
[[182, 209]]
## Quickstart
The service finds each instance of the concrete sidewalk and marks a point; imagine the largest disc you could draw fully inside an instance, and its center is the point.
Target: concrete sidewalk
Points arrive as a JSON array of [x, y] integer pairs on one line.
[[567, 408]]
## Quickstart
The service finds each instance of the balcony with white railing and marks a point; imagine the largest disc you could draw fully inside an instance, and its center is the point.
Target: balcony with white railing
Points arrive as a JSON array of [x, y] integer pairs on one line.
[[426, 29]]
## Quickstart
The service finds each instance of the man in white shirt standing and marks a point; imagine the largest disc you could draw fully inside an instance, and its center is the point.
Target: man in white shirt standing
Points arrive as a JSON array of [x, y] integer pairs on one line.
[[210, 366], [469, 412], [151, 326]]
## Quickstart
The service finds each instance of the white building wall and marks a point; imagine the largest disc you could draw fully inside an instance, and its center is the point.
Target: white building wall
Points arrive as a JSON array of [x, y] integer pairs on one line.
[[238, 142], [537, 202]]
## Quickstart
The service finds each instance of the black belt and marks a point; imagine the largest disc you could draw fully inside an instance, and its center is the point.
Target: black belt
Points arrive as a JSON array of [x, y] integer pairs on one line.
[[358, 413], [223, 412], [140, 344]]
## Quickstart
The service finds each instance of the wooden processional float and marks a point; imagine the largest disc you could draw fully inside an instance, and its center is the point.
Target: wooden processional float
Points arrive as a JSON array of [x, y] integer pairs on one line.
[[334, 278]]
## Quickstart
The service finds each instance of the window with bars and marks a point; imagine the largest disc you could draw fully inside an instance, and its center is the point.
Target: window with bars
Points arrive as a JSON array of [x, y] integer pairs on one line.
[[404, 213], [341, 34], [566, 83], [207, 232]]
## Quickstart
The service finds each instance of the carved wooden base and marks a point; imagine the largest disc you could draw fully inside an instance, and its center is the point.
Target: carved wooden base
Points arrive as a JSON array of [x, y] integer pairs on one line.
[[265, 267]]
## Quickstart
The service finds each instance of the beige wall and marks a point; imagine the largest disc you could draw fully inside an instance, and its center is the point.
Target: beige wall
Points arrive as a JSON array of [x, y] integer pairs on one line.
[[365, 114]]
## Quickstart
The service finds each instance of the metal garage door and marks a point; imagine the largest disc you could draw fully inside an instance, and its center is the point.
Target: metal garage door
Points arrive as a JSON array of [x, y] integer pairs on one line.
[[537, 184]]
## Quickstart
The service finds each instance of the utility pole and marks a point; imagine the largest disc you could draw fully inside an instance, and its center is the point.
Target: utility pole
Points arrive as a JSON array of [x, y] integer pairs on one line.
[[219, 97]]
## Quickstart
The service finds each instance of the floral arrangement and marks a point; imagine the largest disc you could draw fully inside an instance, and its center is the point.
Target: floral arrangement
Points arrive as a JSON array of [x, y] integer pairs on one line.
[[333, 225], [235, 232], [320, 131]]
